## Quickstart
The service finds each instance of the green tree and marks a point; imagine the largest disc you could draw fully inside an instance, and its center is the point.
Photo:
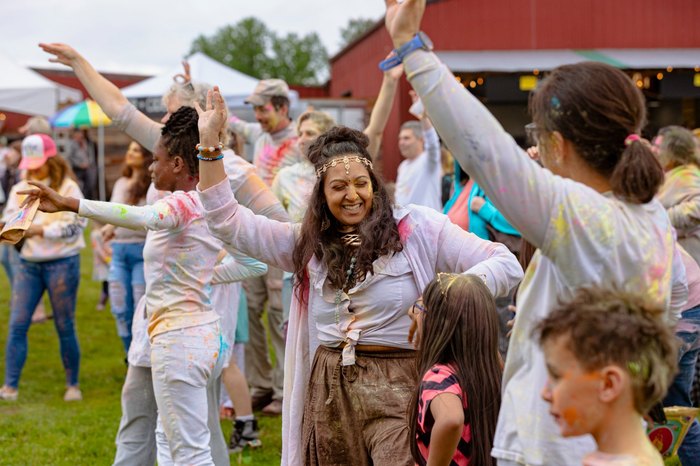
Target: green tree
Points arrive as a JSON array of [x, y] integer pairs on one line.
[[354, 29], [250, 47], [298, 60]]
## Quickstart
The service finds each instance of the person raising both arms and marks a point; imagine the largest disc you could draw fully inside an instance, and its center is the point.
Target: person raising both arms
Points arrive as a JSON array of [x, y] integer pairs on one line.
[[591, 212], [359, 266]]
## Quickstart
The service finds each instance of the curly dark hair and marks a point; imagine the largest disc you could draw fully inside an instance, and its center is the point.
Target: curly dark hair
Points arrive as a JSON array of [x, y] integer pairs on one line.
[[321, 232], [181, 135], [138, 190]]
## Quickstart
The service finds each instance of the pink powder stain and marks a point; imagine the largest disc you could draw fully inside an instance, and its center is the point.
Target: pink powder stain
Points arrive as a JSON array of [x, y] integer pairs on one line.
[[186, 211], [405, 229]]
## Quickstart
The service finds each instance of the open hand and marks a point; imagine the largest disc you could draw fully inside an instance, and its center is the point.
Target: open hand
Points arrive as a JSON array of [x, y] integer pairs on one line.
[[49, 200], [212, 120], [62, 53], [184, 77], [403, 19]]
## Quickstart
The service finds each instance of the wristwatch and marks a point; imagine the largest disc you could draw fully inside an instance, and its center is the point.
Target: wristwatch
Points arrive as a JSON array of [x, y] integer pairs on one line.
[[419, 41]]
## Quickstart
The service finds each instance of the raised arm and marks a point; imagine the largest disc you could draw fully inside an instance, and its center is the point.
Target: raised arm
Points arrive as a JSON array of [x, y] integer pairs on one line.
[[526, 194], [107, 95], [382, 109], [262, 238]]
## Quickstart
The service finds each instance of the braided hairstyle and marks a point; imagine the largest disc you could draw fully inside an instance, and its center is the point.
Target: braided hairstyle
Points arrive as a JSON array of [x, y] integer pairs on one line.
[[180, 136], [321, 232]]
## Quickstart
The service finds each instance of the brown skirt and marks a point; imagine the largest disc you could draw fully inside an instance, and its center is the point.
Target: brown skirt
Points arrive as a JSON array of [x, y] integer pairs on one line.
[[358, 415]]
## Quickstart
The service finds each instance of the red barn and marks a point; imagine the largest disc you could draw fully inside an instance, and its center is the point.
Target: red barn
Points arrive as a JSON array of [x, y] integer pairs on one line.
[[500, 48]]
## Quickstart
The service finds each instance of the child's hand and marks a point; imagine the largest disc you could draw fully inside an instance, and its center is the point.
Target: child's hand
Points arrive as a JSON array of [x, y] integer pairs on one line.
[[415, 331]]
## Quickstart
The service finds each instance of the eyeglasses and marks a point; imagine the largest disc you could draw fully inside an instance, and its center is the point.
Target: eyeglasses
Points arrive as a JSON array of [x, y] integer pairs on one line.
[[532, 134]]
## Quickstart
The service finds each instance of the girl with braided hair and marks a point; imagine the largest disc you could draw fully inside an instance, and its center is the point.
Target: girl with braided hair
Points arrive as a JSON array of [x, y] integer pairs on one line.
[[179, 262], [360, 265]]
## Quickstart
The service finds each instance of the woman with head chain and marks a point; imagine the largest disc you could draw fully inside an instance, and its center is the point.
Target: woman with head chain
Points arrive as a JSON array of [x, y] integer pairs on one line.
[[359, 266]]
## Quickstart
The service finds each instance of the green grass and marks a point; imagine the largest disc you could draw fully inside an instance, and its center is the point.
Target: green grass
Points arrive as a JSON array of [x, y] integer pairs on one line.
[[41, 429]]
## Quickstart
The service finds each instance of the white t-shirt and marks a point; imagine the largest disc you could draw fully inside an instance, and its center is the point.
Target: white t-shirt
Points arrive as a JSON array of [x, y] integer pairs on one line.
[[419, 180]]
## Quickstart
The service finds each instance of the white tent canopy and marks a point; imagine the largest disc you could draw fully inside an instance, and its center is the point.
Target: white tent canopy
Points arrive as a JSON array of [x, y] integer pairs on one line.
[[25, 91], [235, 86]]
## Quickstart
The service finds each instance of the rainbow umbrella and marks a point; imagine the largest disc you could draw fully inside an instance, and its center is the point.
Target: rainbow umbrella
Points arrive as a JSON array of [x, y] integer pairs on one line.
[[85, 113]]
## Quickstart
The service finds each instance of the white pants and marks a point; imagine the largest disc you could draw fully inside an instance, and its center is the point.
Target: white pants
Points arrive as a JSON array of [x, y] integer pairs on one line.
[[183, 363]]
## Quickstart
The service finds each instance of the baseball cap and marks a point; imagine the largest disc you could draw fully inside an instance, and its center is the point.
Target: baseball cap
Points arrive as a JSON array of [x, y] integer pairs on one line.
[[36, 150], [267, 88]]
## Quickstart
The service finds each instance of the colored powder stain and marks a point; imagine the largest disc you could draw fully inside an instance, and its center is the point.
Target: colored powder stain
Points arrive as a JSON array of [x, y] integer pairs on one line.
[[570, 415], [555, 102], [122, 211]]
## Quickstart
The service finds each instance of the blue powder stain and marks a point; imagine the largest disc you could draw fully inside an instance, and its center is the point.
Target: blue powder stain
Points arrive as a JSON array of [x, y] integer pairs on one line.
[[555, 102]]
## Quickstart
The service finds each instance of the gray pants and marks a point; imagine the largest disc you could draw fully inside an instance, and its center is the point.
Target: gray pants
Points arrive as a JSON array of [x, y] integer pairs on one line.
[[136, 437], [259, 372]]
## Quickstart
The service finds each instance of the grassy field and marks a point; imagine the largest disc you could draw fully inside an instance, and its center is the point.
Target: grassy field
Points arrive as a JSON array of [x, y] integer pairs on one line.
[[41, 429]]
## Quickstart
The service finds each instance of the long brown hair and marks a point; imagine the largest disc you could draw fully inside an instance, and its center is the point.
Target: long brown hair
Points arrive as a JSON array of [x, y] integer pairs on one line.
[[595, 107], [460, 329], [59, 170], [139, 188], [320, 231]]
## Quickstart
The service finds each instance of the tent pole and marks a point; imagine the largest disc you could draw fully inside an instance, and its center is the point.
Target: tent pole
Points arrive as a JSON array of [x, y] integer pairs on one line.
[[101, 161]]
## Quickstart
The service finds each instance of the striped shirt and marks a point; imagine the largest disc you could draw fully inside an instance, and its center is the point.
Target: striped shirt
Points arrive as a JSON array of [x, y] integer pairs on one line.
[[440, 379]]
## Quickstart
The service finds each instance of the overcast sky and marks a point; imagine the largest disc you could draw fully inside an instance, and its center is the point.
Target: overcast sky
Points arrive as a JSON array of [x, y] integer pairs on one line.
[[150, 36]]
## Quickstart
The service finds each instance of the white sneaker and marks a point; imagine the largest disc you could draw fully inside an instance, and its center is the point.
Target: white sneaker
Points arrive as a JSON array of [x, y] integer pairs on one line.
[[73, 393], [8, 394]]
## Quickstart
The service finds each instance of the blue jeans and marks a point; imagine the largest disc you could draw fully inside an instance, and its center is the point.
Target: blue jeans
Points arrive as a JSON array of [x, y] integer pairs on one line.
[[688, 332], [126, 286], [9, 257], [61, 278]]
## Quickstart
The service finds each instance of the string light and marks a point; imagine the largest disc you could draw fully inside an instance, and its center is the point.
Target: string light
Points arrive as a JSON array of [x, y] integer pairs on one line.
[[480, 81], [659, 76]]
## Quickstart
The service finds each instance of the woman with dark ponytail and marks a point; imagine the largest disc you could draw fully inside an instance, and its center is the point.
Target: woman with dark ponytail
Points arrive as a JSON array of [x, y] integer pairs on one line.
[[590, 211], [360, 264]]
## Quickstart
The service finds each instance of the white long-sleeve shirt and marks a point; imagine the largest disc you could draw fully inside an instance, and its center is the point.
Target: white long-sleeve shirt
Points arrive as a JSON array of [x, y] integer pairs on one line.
[[419, 180], [179, 257], [584, 238]]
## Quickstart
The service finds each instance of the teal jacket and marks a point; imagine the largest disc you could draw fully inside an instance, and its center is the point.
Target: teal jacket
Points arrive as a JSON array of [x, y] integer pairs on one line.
[[487, 214]]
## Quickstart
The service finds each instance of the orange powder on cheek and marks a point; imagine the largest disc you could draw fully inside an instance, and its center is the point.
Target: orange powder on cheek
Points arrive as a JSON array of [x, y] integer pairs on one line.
[[570, 415]]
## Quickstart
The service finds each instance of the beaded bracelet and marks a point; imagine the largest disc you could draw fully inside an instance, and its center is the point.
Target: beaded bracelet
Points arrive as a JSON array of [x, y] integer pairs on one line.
[[210, 159], [211, 149]]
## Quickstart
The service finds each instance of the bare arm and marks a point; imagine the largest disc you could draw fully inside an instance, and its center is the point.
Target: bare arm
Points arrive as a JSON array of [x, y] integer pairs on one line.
[[382, 109], [107, 95], [448, 413]]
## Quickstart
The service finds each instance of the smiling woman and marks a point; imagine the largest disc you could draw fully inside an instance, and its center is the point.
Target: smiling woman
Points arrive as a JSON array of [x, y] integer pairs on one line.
[[360, 264]]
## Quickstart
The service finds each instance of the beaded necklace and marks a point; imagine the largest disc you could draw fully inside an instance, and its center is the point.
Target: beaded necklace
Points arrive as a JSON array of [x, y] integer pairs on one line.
[[350, 239]]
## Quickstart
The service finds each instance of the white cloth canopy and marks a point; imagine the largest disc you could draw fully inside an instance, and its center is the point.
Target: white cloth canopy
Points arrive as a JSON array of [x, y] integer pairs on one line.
[[235, 86], [25, 91], [513, 61]]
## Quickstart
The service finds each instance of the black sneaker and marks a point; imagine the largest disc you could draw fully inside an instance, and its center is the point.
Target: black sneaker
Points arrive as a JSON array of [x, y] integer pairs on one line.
[[245, 434]]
